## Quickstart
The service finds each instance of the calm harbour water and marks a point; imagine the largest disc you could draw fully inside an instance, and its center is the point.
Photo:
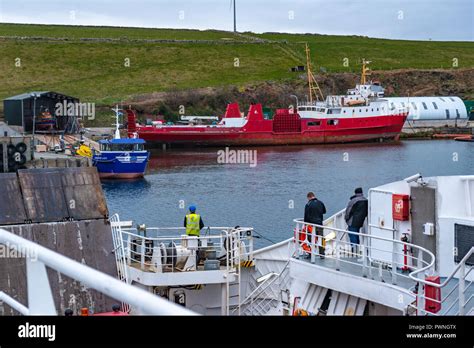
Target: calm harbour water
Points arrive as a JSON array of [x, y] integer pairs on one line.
[[269, 196]]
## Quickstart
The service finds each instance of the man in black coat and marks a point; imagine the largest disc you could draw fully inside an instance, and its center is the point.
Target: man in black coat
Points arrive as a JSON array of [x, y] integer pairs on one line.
[[356, 212], [313, 213]]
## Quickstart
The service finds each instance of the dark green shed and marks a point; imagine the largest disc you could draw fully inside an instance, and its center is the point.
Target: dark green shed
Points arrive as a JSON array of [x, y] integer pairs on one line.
[[19, 109]]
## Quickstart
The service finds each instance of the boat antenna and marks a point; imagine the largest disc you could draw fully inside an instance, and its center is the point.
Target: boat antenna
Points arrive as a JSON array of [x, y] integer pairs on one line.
[[312, 83], [365, 71]]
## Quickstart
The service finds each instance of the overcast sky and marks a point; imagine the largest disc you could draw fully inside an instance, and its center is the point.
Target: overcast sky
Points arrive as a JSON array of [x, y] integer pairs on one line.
[[395, 19]]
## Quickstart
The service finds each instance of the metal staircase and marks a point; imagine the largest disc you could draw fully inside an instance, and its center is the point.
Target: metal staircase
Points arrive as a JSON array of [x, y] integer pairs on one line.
[[267, 297]]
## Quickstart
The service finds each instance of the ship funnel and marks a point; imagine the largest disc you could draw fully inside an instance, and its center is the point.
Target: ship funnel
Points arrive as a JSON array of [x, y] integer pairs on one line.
[[131, 123], [232, 111], [255, 112]]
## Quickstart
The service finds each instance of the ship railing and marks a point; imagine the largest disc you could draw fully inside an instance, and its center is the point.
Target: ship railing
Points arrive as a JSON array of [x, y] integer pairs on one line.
[[150, 251], [453, 301], [39, 292], [368, 257]]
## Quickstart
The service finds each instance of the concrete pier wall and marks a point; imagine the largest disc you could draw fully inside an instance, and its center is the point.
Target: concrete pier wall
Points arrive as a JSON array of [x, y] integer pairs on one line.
[[63, 209]]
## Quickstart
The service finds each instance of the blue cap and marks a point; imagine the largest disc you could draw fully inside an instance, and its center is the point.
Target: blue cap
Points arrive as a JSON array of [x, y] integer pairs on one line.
[[192, 208]]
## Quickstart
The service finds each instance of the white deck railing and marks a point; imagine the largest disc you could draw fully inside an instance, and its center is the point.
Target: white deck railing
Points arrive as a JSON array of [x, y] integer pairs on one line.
[[155, 252], [419, 262], [40, 298]]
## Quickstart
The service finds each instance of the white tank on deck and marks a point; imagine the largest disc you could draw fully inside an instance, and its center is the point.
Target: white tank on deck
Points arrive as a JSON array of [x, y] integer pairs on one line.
[[431, 108]]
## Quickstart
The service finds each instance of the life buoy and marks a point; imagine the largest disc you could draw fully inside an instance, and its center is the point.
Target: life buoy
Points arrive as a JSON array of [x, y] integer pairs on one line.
[[301, 237], [300, 313]]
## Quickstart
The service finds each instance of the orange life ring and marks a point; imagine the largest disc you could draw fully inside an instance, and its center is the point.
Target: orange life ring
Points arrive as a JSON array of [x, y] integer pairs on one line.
[[302, 237], [300, 313]]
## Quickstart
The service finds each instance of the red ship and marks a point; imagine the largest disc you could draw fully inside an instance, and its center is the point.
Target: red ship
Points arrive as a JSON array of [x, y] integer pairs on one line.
[[360, 115], [286, 128]]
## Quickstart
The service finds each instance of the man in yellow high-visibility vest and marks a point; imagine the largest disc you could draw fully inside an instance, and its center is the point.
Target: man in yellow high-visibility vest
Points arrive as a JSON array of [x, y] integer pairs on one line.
[[193, 222]]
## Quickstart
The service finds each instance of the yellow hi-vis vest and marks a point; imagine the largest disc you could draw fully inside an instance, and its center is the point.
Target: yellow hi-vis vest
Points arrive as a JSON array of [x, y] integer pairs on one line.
[[192, 224]]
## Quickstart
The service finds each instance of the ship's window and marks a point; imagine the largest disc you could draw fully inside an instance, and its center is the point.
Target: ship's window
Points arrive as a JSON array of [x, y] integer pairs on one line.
[[377, 109], [334, 111], [403, 104], [344, 111], [360, 110], [332, 122], [447, 113], [372, 109], [366, 110], [314, 123], [424, 105], [452, 99], [457, 114], [435, 106], [121, 147], [463, 239], [392, 105], [414, 106]]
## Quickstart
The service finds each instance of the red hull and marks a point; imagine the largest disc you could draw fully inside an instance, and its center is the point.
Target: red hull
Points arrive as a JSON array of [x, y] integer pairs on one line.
[[288, 129]]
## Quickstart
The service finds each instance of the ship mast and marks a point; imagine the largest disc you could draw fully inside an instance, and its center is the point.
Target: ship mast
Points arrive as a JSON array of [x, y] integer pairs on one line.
[[365, 71], [117, 122], [313, 86]]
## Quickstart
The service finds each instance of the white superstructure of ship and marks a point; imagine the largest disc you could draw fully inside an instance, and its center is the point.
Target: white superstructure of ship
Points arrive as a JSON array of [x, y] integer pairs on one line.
[[368, 99]]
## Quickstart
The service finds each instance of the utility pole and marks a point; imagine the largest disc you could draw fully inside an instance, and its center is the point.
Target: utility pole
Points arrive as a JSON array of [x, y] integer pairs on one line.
[[235, 18], [35, 96]]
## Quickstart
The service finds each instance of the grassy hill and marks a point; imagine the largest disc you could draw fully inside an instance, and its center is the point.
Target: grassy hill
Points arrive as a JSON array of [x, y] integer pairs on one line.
[[88, 62]]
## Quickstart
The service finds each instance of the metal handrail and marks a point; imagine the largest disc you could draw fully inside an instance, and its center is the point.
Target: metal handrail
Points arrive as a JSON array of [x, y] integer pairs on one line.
[[369, 236], [365, 257], [423, 266], [225, 234], [262, 288], [142, 300], [461, 292], [211, 228], [451, 276]]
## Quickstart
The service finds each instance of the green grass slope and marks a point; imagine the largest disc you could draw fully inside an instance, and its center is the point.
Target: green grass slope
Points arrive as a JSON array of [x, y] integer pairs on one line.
[[95, 70]]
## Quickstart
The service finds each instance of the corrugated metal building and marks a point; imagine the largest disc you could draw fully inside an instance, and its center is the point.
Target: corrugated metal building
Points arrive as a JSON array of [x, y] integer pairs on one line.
[[431, 108], [19, 109]]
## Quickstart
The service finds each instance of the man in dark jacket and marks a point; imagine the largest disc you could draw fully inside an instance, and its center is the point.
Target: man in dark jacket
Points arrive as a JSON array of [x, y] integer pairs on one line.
[[313, 213], [356, 212]]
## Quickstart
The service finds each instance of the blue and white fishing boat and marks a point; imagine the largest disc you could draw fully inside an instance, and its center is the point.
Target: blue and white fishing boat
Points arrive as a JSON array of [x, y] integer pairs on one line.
[[121, 158]]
